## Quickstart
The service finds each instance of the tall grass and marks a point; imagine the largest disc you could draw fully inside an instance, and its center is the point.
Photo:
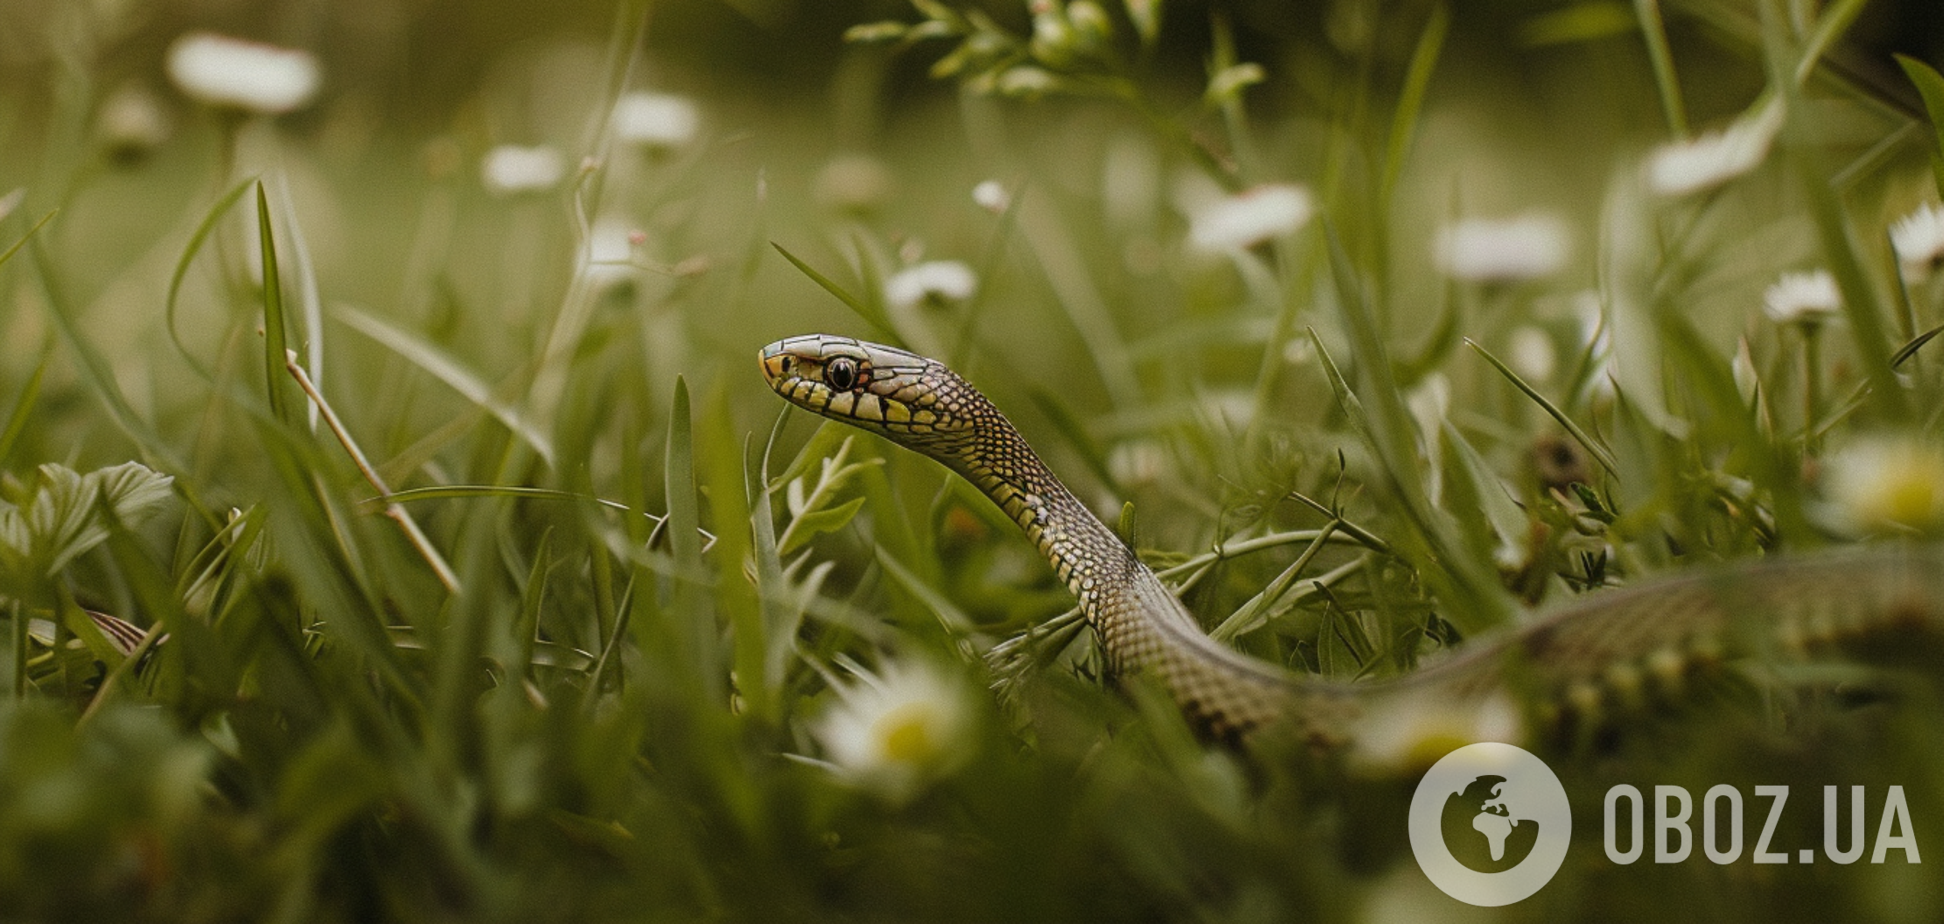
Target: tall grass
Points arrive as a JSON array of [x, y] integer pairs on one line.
[[488, 582]]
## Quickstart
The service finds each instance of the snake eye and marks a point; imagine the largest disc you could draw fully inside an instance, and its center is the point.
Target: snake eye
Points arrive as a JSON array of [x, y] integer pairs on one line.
[[841, 374]]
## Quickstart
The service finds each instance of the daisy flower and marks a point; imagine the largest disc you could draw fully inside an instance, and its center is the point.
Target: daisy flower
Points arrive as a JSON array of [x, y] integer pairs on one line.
[[1408, 733], [1802, 298], [1715, 158], [1505, 250], [656, 120], [1250, 217], [937, 282], [239, 74], [991, 195], [1888, 483], [1918, 239], [510, 169], [895, 731]]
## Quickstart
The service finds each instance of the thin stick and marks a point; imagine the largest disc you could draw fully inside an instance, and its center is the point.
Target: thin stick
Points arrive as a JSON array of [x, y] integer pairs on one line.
[[393, 509]]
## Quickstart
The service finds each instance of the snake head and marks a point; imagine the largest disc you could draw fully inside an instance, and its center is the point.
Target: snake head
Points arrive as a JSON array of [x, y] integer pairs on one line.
[[879, 388]]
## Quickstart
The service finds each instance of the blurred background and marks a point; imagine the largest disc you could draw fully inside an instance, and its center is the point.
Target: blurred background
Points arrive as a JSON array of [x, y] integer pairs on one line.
[[537, 246]]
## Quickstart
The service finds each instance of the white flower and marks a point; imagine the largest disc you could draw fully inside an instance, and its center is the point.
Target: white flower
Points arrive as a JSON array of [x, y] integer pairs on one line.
[[991, 195], [1410, 731], [132, 122], [510, 169], [896, 731], [1919, 240], [1802, 298], [1530, 353], [224, 71], [1230, 407], [608, 251], [1715, 158], [936, 282], [1138, 462], [1250, 217], [1299, 351], [1508, 250], [656, 120], [853, 182], [1888, 482]]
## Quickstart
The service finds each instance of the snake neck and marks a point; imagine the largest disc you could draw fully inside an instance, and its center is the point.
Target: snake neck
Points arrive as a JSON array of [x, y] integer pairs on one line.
[[1086, 555], [1141, 625]]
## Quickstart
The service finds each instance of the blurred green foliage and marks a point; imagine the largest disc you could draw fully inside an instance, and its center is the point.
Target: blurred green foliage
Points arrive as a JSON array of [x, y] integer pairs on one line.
[[574, 668]]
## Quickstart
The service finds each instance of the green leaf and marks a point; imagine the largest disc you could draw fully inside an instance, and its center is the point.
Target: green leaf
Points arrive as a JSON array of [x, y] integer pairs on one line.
[[1581, 22], [1600, 453], [814, 523], [1829, 29], [133, 490], [61, 513], [275, 332], [695, 620], [1654, 29], [1503, 514], [889, 30], [683, 518], [8, 255], [96, 370], [781, 617], [189, 252], [863, 309], [452, 372], [1228, 83], [1930, 84], [1410, 102], [1470, 595], [23, 407], [1146, 17], [1896, 359]]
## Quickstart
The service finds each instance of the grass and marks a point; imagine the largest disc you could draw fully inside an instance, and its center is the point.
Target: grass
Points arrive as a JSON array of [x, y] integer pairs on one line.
[[496, 586]]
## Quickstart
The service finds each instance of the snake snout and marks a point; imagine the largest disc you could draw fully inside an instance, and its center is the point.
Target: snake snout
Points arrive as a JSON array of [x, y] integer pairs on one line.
[[778, 363]]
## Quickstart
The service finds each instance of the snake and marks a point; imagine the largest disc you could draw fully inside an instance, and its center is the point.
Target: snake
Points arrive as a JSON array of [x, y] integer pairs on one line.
[[1605, 652]]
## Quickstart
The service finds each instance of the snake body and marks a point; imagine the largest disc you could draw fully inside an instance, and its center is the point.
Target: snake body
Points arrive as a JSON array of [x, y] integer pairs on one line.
[[1605, 647]]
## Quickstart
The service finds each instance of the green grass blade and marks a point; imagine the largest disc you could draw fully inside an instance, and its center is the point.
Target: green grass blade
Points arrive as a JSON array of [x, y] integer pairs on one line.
[[1653, 29], [444, 367], [311, 334], [1896, 359], [695, 621], [1830, 28], [1598, 450], [862, 308], [275, 332], [96, 370], [10, 251], [1930, 85], [189, 252], [24, 406], [1471, 596], [1861, 307], [1410, 100], [724, 468]]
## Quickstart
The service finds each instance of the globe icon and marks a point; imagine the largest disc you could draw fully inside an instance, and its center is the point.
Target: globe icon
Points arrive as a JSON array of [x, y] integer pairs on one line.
[[1482, 831], [1490, 824]]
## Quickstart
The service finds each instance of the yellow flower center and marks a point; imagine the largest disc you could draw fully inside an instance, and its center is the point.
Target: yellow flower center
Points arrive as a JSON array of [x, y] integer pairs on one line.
[[906, 735]]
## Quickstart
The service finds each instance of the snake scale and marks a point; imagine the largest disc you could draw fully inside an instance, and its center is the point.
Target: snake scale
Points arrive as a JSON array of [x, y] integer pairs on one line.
[[1607, 646]]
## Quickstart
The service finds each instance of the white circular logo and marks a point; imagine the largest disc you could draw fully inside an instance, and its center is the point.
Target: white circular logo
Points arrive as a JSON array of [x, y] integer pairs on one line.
[[1490, 824]]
